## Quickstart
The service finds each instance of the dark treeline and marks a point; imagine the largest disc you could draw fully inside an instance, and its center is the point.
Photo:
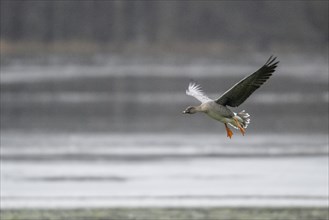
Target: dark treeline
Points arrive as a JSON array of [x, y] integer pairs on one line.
[[254, 22]]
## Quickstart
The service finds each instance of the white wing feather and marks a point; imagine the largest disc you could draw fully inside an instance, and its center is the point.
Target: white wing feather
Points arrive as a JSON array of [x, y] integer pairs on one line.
[[196, 91]]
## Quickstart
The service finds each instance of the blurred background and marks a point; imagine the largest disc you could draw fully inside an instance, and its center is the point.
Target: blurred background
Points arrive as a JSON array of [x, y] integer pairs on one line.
[[92, 94]]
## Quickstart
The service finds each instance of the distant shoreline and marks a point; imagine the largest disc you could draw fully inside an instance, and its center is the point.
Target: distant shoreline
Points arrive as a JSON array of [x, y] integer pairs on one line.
[[300, 213], [218, 49]]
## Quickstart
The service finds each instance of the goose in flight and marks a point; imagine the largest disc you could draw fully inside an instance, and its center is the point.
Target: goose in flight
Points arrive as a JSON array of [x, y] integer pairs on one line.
[[235, 96]]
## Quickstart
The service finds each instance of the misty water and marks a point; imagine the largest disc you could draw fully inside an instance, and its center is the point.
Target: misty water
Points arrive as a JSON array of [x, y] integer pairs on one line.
[[111, 133]]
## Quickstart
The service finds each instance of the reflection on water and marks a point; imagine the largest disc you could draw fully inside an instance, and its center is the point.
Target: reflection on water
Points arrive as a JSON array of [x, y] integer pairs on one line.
[[101, 170], [287, 181], [153, 146]]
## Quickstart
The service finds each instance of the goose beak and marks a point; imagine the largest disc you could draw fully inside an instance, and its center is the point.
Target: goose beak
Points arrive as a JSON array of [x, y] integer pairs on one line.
[[184, 112]]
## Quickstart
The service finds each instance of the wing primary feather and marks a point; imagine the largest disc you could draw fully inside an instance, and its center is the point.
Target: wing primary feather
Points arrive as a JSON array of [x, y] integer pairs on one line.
[[244, 88], [269, 59]]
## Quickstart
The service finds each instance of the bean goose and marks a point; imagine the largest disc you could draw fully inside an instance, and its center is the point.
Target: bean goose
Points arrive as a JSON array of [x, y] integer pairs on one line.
[[235, 96]]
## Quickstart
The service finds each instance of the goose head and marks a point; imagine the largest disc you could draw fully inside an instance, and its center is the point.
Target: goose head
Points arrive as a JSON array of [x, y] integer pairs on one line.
[[190, 110]]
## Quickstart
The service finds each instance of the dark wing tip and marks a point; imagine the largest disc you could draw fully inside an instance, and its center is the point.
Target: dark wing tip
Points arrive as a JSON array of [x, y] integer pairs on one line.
[[271, 60], [270, 64]]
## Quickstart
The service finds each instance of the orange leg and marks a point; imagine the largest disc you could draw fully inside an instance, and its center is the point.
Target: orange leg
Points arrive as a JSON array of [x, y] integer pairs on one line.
[[242, 130], [228, 131]]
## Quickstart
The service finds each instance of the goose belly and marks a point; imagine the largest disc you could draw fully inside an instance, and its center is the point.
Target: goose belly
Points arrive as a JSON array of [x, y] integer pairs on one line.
[[218, 116]]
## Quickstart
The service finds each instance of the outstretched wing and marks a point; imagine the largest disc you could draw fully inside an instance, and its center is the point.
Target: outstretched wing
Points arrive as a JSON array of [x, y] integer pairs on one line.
[[236, 95], [196, 91]]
